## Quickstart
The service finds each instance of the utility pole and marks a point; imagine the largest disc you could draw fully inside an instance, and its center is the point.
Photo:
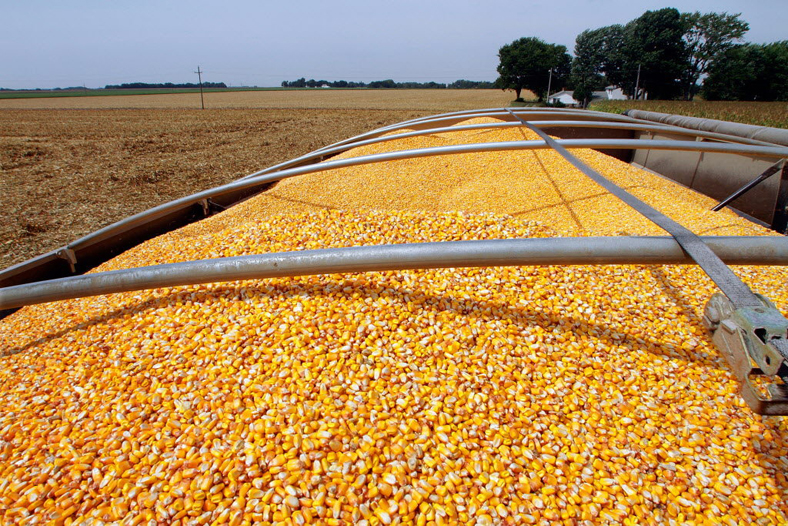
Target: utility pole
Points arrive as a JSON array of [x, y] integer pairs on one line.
[[549, 84], [199, 76], [637, 85]]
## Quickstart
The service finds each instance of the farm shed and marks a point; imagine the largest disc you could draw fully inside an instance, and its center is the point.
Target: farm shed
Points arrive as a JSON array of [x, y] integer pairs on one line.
[[443, 321], [612, 93], [567, 97], [564, 97]]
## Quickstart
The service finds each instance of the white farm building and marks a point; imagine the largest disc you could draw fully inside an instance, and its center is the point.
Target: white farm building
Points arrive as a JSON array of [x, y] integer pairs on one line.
[[567, 97]]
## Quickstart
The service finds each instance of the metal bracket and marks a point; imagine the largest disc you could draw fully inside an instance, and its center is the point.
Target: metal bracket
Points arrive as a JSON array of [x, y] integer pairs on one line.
[[215, 207], [69, 255], [773, 169], [754, 341], [209, 207], [780, 218], [206, 209]]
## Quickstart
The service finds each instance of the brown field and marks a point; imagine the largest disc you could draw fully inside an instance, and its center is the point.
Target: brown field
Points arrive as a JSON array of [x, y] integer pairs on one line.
[[66, 173], [421, 100], [69, 166]]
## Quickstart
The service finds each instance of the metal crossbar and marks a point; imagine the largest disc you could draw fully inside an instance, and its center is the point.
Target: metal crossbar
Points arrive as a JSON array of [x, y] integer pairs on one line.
[[733, 287], [620, 250]]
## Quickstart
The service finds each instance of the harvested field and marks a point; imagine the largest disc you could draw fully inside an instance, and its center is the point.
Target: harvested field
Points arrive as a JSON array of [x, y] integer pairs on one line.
[[66, 173], [433, 101], [69, 166], [523, 395]]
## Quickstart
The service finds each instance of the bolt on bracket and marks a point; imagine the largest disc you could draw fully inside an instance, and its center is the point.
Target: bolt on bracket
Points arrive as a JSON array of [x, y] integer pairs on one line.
[[69, 255], [754, 341]]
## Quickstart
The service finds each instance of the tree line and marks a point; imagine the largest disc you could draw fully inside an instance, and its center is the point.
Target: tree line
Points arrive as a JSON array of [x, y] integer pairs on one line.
[[664, 54], [387, 84], [165, 85]]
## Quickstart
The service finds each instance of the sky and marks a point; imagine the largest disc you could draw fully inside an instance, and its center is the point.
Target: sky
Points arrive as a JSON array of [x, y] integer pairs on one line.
[[48, 43]]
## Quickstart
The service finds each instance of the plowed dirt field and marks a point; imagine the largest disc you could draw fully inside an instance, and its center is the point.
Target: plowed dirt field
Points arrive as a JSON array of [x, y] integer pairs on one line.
[[69, 166]]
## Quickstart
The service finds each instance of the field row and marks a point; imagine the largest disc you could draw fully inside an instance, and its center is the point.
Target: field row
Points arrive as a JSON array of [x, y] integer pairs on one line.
[[419, 100], [70, 166], [773, 114], [67, 173]]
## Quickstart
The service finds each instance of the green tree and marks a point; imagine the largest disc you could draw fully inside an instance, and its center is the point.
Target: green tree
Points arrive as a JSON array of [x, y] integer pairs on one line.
[[526, 64], [707, 37], [587, 65], [749, 72], [673, 51], [612, 56], [733, 76], [654, 41], [388, 83], [776, 71], [470, 84]]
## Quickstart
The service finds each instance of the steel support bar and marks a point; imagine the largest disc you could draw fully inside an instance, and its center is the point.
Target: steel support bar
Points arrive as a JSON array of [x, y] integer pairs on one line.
[[447, 121], [728, 282], [765, 151], [533, 115], [749, 186], [760, 250], [143, 218], [376, 138], [531, 112], [319, 155], [449, 118]]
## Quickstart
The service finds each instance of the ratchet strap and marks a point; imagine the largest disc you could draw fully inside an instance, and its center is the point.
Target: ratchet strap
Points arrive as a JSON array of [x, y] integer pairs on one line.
[[729, 283]]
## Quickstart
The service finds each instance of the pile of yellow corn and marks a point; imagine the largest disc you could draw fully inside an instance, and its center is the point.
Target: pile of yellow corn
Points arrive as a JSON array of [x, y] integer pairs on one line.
[[571, 395]]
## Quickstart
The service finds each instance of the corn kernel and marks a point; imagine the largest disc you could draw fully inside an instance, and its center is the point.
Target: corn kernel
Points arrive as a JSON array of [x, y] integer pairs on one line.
[[512, 395]]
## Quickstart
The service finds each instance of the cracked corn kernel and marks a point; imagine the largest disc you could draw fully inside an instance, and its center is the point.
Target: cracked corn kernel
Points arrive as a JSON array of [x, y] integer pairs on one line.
[[480, 396]]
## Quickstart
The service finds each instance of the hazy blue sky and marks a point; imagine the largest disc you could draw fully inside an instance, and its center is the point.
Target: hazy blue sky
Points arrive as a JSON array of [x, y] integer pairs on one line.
[[246, 42]]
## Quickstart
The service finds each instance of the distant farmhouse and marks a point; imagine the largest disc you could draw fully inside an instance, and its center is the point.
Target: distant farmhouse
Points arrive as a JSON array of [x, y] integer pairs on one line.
[[566, 97]]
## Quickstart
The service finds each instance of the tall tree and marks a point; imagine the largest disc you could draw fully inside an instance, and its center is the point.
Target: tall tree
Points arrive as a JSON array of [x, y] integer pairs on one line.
[[654, 41], [588, 63], [776, 71], [526, 64], [749, 72], [707, 37], [734, 76], [611, 54]]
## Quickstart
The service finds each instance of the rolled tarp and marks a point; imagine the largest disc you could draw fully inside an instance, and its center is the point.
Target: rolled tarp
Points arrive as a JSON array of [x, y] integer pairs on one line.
[[760, 133]]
